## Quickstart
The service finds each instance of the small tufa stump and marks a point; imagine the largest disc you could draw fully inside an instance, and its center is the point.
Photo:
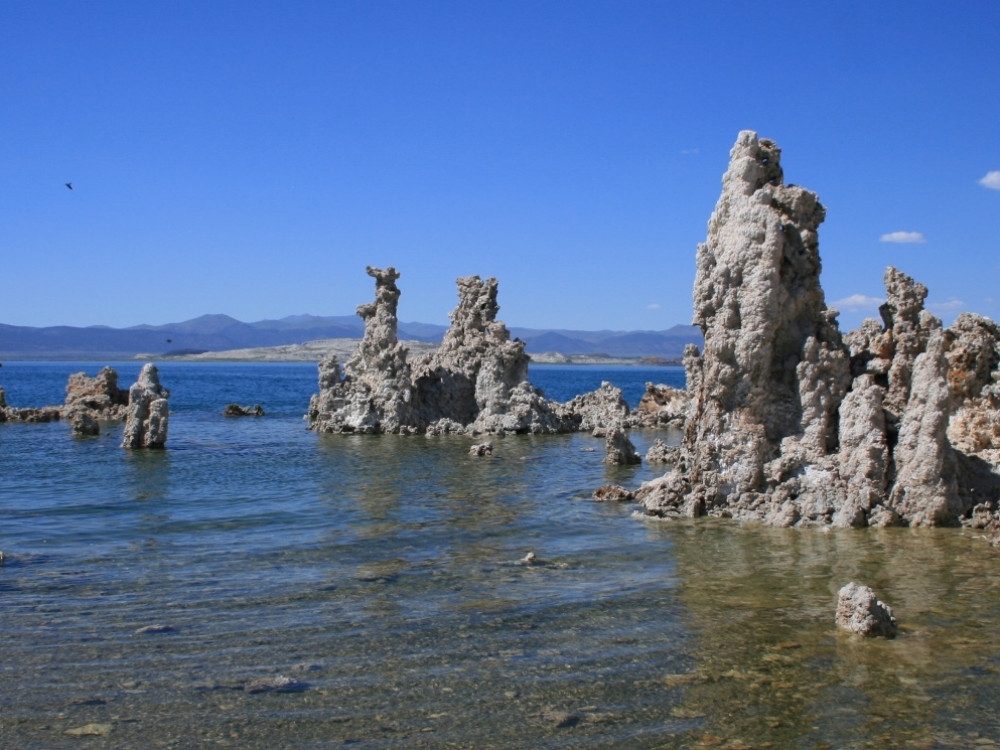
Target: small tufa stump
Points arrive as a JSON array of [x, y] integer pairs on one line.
[[481, 449], [861, 612], [618, 449], [235, 410], [84, 423], [148, 413], [613, 493], [661, 453]]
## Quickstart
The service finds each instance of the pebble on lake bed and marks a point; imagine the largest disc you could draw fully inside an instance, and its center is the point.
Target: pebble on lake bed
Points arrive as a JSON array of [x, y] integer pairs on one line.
[[148, 629], [90, 730], [861, 612], [276, 684]]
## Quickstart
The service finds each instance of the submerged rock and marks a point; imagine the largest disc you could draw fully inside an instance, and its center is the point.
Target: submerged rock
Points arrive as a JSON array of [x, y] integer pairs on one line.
[[613, 493], [84, 423], [235, 410], [276, 684], [148, 411], [860, 611], [481, 449]]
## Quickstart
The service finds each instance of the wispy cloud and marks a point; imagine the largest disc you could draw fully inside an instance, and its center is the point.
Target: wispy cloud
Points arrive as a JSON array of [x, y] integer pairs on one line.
[[690, 151], [903, 237], [857, 303], [949, 305], [653, 306], [991, 180]]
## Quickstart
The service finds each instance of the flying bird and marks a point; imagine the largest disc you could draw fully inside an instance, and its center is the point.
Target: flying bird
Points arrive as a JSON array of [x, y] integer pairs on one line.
[[69, 185]]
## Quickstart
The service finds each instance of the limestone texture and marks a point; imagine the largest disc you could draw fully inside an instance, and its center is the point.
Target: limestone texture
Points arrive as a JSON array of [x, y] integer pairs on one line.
[[476, 382], [860, 611], [89, 400], [613, 493], [791, 423], [601, 408], [148, 412], [618, 448], [236, 410], [660, 405], [99, 395]]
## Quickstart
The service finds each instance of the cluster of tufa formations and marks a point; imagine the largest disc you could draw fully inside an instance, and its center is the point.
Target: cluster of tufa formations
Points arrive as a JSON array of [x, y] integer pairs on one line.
[[791, 423], [475, 382], [93, 400], [786, 421]]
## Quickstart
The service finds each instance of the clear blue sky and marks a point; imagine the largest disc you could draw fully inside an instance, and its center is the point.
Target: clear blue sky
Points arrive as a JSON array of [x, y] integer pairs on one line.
[[251, 158]]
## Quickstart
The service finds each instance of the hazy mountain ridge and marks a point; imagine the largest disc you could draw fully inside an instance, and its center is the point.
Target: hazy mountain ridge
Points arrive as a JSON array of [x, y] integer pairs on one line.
[[217, 332]]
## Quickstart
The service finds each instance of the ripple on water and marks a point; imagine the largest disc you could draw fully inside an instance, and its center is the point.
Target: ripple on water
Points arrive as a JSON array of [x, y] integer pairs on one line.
[[148, 593]]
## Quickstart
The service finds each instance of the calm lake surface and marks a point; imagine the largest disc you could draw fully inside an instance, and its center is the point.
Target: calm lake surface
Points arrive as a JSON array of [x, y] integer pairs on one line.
[[381, 574]]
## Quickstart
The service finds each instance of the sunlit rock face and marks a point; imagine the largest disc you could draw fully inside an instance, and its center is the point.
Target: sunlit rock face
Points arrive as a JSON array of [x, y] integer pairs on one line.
[[766, 389], [148, 413], [476, 382], [861, 612], [478, 377], [373, 393], [789, 423]]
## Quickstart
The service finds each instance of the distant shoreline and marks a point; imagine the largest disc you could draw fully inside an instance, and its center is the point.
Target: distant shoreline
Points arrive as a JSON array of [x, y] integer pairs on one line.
[[314, 351]]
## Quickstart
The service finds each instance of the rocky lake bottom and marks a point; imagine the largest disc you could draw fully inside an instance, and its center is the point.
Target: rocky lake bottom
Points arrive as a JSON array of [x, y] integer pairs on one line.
[[258, 585]]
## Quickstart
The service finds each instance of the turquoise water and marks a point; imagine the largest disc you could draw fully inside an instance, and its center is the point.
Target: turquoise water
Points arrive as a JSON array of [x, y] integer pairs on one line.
[[148, 596]]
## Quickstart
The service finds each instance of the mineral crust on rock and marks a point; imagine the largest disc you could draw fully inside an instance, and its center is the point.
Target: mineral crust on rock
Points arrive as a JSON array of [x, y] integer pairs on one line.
[[236, 410], [660, 405], [789, 423], [661, 453], [618, 448], [860, 611], [613, 493], [476, 382], [374, 392], [99, 395], [27, 414], [88, 401], [148, 412], [600, 409]]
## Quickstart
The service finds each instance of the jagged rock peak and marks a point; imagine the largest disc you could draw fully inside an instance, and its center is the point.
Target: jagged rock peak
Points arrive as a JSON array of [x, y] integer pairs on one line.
[[774, 368], [790, 424], [476, 382]]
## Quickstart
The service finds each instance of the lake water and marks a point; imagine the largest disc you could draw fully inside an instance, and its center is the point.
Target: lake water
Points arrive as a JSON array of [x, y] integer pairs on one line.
[[148, 597]]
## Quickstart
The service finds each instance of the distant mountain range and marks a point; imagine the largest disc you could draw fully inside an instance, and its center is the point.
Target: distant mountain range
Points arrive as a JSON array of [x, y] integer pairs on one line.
[[221, 332]]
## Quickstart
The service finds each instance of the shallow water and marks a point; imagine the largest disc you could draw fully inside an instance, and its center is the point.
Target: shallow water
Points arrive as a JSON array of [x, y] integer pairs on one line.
[[382, 574]]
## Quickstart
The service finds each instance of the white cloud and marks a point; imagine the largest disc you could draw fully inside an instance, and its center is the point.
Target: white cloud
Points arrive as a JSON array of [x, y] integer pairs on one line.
[[690, 151], [653, 306], [857, 303], [991, 180], [947, 306], [903, 237]]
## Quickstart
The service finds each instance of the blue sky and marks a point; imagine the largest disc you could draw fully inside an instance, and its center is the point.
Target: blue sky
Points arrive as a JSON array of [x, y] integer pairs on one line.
[[252, 158]]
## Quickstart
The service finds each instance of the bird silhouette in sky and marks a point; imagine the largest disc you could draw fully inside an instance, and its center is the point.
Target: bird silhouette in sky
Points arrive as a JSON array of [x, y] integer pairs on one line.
[[69, 185]]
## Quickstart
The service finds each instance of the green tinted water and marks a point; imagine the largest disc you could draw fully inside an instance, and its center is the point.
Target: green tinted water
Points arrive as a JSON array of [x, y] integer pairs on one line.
[[381, 574]]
